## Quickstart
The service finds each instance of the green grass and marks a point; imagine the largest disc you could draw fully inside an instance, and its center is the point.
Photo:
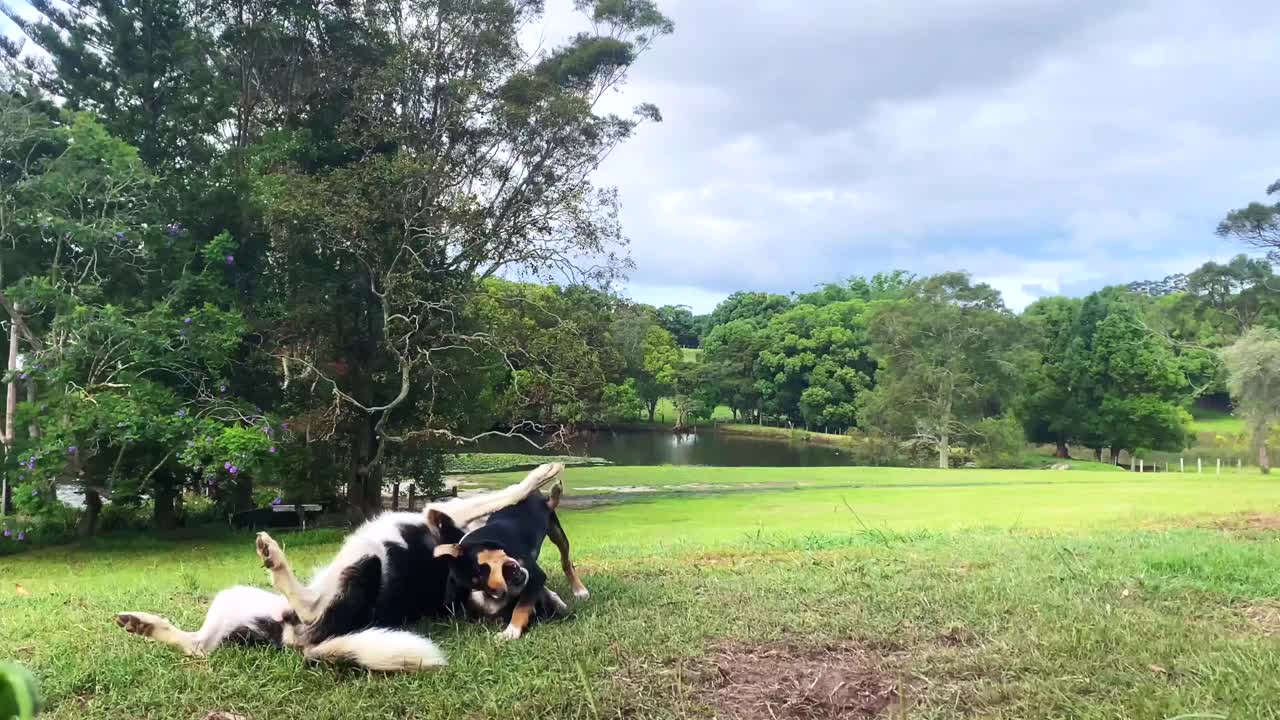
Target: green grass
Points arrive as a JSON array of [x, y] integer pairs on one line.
[[1217, 422], [500, 462], [994, 594], [1033, 459], [769, 432], [665, 412]]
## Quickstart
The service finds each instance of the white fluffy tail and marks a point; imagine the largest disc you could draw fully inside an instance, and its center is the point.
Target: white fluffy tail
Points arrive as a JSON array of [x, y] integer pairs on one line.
[[465, 511], [380, 649]]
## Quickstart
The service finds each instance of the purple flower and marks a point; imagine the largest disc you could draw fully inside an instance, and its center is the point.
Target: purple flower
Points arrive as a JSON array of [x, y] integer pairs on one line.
[[120, 236], [182, 412], [231, 259], [72, 450], [277, 501], [284, 427], [226, 466], [22, 536], [272, 450], [35, 493], [222, 388], [173, 229], [23, 376], [186, 321], [8, 532], [233, 469]]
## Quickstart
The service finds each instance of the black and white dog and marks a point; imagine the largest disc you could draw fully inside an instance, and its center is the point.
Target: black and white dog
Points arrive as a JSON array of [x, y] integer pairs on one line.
[[386, 575], [495, 566]]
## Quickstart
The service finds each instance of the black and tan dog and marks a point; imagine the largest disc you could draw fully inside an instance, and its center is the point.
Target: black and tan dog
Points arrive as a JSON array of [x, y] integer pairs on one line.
[[494, 567], [386, 575]]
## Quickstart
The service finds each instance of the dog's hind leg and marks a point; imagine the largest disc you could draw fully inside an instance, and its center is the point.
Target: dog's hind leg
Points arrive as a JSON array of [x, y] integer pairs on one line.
[[161, 630], [555, 533], [238, 611], [304, 601], [465, 511]]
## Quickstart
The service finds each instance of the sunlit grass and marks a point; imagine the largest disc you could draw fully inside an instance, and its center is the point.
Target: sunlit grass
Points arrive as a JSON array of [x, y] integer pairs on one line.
[[1084, 595]]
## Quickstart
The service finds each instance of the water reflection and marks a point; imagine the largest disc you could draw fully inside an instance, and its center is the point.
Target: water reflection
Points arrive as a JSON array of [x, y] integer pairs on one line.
[[668, 448]]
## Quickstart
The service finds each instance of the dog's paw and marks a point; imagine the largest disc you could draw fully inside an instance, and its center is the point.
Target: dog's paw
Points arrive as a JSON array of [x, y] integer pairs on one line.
[[138, 623], [582, 593], [511, 633], [270, 552]]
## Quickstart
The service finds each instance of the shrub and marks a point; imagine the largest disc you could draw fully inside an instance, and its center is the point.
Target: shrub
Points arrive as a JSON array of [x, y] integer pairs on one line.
[[999, 442]]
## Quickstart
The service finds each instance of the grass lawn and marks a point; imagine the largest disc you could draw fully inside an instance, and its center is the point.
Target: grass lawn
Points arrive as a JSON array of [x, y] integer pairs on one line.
[[790, 593], [499, 462], [1217, 422], [665, 412]]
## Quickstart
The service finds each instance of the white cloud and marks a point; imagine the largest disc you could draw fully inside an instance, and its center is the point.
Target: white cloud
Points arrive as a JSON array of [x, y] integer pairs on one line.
[[1061, 145]]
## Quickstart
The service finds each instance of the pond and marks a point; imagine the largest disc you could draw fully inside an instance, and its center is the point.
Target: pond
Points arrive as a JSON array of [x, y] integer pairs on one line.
[[668, 448]]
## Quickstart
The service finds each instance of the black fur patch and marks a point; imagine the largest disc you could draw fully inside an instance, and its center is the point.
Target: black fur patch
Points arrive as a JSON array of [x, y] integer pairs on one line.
[[414, 582], [352, 607], [263, 631]]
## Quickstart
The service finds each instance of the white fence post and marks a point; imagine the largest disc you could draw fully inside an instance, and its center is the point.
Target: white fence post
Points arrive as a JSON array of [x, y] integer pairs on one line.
[[1182, 465], [1200, 465], [1142, 465], [1219, 472]]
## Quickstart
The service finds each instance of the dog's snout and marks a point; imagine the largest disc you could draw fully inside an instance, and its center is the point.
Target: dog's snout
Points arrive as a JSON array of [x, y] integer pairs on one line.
[[511, 569]]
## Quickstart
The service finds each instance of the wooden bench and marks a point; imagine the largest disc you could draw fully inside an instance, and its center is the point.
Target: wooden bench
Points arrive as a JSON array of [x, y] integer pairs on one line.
[[276, 516]]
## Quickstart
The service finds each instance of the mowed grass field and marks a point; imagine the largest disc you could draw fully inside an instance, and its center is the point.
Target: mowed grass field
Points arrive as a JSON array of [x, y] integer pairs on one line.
[[752, 593], [1216, 422]]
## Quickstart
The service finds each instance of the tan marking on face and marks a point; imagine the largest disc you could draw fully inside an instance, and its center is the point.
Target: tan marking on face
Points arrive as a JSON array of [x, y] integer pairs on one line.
[[494, 559]]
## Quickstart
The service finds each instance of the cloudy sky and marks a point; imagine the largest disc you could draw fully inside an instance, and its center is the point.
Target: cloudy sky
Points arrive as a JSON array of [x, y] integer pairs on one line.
[[1047, 146]]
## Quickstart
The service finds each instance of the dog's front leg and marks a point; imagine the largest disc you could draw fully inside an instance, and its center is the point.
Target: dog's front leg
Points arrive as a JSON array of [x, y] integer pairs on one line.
[[520, 618], [302, 601]]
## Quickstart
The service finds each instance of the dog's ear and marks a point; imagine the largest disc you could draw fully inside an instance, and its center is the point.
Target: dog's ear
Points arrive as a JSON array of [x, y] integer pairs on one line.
[[450, 550], [442, 527]]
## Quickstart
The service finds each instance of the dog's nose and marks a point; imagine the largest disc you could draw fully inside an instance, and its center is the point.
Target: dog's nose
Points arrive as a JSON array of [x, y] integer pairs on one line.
[[511, 569]]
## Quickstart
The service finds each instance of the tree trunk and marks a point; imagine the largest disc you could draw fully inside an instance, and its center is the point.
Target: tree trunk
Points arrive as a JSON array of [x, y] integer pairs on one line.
[[33, 430], [413, 497], [1264, 462], [653, 407], [92, 510], [395, 497], [944, 437], [365, 492], [1097, 454], [1063, 452], [10, 412], [165, 516]]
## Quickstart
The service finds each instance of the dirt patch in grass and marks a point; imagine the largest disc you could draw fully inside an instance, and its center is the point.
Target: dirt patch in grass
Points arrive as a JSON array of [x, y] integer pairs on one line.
[[1263, 618], [957, 636], [1244, 523], [789, 682]]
